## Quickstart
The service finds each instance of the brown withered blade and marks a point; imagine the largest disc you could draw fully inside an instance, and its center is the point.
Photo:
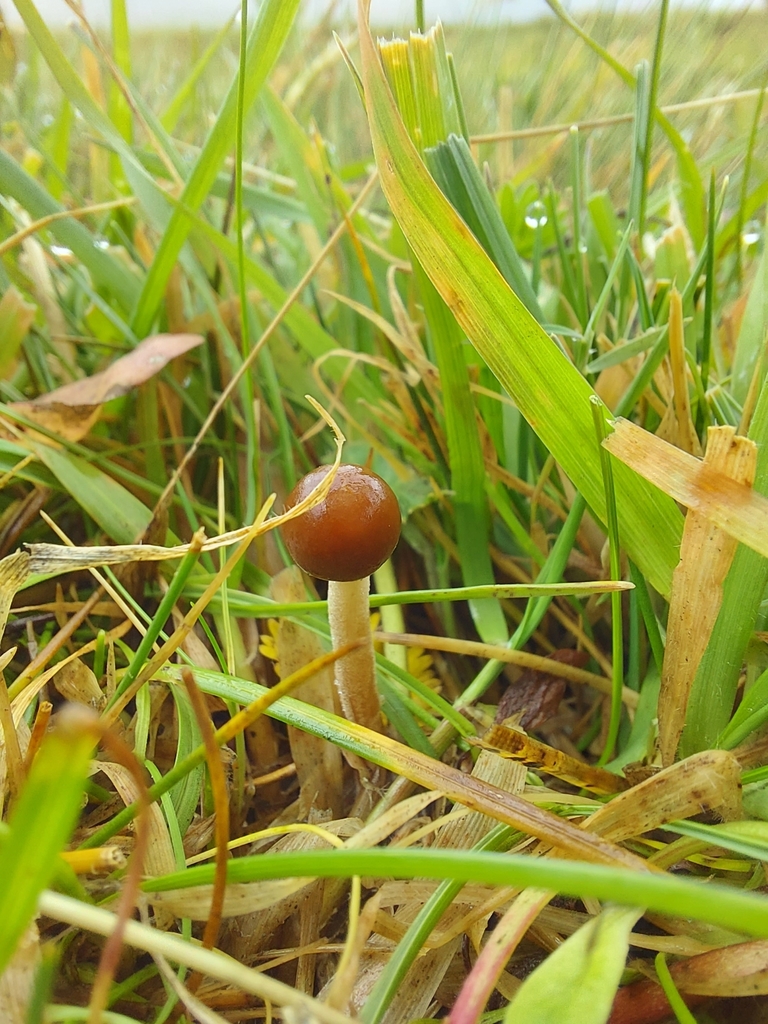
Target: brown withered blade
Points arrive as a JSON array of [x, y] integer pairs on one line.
[[706, 553], [677, 423], [70, 411], [536, 695], [535, 754]]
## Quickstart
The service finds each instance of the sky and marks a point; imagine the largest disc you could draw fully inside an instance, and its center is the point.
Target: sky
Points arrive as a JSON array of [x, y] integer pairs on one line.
[[185, 13]]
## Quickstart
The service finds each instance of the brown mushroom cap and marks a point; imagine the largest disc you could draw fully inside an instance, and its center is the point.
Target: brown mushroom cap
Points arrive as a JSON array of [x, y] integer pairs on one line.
[[349, 534]]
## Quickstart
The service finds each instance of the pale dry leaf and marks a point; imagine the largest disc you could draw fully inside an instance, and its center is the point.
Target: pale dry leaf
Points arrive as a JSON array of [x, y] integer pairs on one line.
[[159, 859], [16, 317], [417, 989], [274, 900], [708, 781], [677, 423], [706, 553], [76, 682], [17, 981], [14, 570], [734, 507]]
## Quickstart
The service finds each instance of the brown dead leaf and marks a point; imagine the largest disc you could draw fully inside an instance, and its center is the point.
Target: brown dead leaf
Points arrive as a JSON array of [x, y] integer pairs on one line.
[[537, 695], [740, 970], [70, 411]]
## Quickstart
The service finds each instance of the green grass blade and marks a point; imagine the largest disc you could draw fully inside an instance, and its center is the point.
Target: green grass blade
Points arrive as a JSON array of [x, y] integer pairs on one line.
[[185, 92], [547, 389], [266, 40], [675, 1000], [745, 913], [709, 298], [107, 272], [259, 607], [159, 619], [119, 514], [749, 344], [691, 187], [745, 838], [299, 155], [404, 954], [617, 628], [653, 93], [582, 303], [750, 714], [638, 178], [466, 459], [75, 90], [741, 216], [602, 300], [41, 824], [456, 172], [119, 112]]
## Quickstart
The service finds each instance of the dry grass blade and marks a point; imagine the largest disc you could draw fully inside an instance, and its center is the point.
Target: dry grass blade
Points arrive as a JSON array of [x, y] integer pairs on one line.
[[677, 424], [523, 659], [604, 122], [709, 781], [731, 505], [514, 744], [706, 553]]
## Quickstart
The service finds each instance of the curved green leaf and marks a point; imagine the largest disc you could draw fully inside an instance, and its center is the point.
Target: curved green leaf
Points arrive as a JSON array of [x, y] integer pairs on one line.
[[546, 387], [576, 984]]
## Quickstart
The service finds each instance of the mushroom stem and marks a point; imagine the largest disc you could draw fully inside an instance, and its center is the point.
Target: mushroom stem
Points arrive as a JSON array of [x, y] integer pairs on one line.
[[349, 618]]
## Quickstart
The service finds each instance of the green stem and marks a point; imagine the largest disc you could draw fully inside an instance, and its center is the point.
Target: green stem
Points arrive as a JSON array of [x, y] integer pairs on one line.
[[617, 625]]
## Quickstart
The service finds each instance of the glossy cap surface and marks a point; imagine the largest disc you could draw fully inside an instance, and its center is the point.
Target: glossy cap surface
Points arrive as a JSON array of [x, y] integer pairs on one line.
[[349, 534]]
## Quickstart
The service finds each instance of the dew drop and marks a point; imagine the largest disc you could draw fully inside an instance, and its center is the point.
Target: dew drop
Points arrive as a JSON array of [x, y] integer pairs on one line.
[[536, 215], [751, 233]]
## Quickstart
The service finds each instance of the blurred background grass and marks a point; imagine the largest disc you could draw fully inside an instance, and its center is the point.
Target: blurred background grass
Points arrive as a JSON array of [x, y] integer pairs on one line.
[[514, 76]]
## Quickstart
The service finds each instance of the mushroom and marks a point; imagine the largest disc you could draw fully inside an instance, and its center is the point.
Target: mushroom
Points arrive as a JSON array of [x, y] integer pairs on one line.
[[343, 539]]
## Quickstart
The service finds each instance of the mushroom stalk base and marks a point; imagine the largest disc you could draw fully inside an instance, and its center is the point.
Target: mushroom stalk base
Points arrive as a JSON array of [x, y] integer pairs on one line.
[[349, 618]]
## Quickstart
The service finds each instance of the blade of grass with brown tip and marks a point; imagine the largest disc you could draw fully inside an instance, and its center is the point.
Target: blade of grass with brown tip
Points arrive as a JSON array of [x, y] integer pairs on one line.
[[419, 768]]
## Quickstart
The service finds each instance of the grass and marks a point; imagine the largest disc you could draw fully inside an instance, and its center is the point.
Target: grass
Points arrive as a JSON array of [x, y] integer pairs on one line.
[[450, 283]]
